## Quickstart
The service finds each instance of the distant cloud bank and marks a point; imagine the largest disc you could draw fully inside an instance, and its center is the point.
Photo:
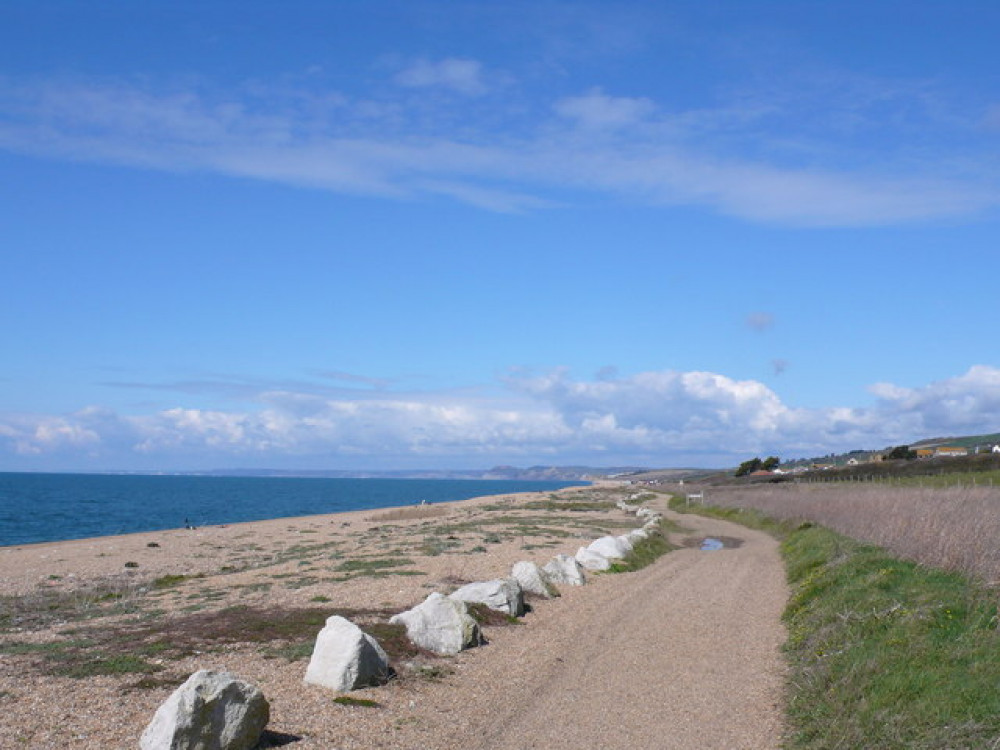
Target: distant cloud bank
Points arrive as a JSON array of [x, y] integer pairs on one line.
[[652, 418]]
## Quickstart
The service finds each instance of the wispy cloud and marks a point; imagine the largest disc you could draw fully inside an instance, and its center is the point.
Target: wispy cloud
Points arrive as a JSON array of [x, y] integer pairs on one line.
[[594, 142], [648, 417], [597, 110], [457, 74], [350, 377]]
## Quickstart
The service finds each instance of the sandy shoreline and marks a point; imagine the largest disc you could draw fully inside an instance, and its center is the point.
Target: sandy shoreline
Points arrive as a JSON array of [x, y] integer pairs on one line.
[[25, 565], [206, 598]]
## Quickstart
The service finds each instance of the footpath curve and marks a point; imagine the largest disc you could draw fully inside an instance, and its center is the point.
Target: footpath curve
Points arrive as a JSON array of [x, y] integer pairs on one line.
[[684, 654]]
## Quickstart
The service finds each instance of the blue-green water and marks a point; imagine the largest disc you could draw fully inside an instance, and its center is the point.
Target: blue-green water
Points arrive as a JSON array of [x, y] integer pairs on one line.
[[52, 507]]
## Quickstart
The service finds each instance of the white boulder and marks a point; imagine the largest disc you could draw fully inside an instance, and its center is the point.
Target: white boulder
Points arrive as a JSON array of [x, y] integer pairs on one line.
[[502, 594], [612, 547], [564, 569], [346, 658], [637, 535], [529, 575], [592, 560], [441, 625], [210, 711]]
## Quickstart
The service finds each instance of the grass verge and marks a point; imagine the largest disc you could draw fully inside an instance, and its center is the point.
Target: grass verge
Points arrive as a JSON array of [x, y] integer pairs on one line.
[[884, 653], [646, 551]]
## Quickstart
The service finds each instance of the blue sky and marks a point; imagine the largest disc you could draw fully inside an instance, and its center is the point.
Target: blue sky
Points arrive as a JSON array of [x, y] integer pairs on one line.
[[353, 235]]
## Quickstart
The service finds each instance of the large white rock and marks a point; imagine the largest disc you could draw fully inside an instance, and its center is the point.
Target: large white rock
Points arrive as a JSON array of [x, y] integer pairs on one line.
[[637, 535], [502, 594], [564, 569], [211, 711], [592, 560], [346, 658], [441, 625], [529, 575], [612, 547]]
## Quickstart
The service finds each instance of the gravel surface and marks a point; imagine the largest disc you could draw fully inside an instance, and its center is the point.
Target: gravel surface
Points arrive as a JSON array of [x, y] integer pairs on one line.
[[682, 654]]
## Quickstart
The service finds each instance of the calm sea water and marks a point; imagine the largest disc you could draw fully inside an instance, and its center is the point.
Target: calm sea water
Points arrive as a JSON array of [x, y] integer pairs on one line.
[[52, 507]]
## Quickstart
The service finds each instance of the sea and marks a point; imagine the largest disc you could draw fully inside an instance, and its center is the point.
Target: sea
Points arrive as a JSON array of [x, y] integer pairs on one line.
[[55, 507]]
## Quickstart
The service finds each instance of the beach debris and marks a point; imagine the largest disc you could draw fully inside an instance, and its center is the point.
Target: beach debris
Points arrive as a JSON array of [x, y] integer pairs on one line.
[[502, 594], [346, 658], [441, 625], [210, 711], [564, 569], [529, 575], [592, 560]]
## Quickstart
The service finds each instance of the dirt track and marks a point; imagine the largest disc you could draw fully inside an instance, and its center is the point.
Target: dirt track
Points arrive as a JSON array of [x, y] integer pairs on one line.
[[684, 654]]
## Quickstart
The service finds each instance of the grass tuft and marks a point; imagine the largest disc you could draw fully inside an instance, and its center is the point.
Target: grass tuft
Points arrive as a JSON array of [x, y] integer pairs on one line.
[[347, 700], [644, 552], [483, 615]]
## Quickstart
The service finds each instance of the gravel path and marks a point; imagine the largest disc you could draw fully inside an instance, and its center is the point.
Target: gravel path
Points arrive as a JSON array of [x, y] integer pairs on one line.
[[684, 654]]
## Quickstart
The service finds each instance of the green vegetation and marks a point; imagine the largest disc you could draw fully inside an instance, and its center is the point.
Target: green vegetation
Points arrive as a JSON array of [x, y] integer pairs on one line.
[[753, 519], [490, 617], [42, 607], [884, 653], [756, 464], [372, 565], [949, 479], [289, 651], [646, 551], [900, 453], [82, 658], [170, 580], [573, 506], [288, 633], [887, 653], [347, 700]]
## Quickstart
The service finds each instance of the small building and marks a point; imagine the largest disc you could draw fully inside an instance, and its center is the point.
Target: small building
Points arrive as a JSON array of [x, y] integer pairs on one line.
[[951, 451]]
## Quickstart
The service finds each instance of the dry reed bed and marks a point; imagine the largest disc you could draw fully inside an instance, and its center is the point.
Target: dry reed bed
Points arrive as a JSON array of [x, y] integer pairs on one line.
[[954, 528]]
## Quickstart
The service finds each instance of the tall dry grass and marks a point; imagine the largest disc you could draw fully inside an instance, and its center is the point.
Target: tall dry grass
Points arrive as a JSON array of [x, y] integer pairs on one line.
[[953, 528]]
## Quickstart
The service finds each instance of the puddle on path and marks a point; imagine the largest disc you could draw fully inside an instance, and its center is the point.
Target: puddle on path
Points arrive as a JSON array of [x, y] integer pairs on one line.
[[713, 543]]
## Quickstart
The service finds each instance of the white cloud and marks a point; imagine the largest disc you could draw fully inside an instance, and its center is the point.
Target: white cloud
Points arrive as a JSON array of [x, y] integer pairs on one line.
[[968, 402], [461, 75], [597, 110], [644, 418], [403, 150]]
